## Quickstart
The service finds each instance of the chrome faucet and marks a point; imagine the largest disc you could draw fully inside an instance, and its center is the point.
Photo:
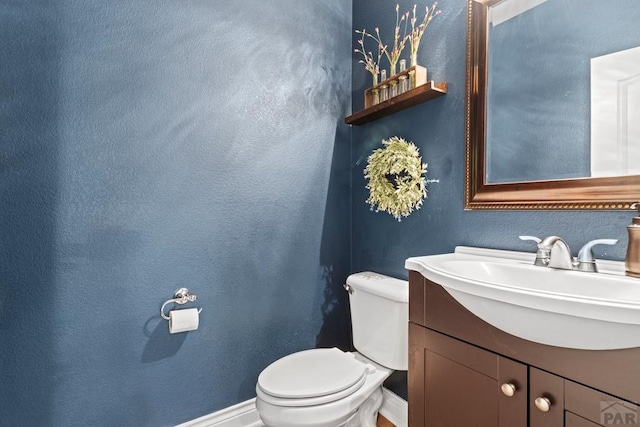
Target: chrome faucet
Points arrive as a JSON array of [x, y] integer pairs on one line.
[[559, 253], [554, 252]]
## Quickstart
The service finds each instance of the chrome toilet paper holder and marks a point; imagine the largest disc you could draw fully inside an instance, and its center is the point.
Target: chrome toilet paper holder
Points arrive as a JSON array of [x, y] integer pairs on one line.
[[181, 296]]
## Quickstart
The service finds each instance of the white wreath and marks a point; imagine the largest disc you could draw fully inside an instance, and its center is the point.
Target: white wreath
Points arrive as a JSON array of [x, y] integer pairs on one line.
[[396, 182]]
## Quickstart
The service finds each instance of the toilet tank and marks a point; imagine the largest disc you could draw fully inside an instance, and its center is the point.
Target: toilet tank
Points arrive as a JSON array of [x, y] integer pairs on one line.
[[380, 318]]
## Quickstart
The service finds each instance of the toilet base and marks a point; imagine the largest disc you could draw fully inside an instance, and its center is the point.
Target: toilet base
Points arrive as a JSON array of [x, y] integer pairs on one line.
[[367, 415], [301, 419]]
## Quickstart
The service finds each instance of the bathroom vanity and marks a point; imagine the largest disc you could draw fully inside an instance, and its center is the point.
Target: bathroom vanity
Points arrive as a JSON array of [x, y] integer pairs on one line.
[[465, 372]]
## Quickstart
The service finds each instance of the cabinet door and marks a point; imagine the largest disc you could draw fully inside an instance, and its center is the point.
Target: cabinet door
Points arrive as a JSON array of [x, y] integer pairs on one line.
[[458, 395], [452, 383], [546, 399], [513, 393], [572, 420]]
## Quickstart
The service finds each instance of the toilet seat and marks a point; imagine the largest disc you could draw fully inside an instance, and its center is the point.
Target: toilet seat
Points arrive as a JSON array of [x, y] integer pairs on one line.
[[312, 377], [337, 413], [309, 401]]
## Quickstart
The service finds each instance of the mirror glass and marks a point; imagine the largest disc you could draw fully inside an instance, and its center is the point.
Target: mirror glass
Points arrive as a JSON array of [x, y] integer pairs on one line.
[[563, 89], [553, 104]]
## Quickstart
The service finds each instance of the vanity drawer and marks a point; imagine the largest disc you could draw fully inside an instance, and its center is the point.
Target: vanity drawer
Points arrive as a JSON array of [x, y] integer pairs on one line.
[[598, 407]]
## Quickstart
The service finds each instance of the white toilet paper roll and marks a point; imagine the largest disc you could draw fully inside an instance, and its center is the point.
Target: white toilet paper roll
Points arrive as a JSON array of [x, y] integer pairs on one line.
[[183, 320]]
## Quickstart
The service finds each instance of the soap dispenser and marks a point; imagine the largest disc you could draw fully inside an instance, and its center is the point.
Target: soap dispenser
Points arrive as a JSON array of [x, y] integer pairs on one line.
[[632, 262]]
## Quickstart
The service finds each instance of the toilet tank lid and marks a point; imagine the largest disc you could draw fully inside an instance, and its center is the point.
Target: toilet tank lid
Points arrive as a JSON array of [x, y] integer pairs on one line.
[[381, 285]]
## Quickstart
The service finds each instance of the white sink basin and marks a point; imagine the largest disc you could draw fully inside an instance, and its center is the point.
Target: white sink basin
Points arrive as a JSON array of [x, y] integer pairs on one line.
[[592, 311]]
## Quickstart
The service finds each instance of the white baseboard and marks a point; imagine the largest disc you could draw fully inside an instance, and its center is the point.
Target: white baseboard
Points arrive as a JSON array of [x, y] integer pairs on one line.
[[241, 415], [394, 408], [245, 414]]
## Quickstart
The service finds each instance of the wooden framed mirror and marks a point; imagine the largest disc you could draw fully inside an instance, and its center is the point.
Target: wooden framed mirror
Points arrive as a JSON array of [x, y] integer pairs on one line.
[[539, 104]]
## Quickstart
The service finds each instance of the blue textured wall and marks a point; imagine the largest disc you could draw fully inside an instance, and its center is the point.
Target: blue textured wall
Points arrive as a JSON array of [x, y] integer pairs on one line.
[[148, 145], [438, 128]]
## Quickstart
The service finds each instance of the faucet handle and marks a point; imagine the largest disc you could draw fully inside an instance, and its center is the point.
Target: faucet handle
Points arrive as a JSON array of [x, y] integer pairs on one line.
[[586, 259], [542, 254], [532, 238]]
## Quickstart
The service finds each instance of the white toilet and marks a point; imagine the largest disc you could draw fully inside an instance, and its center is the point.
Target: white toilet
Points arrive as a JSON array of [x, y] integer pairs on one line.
[[330, 388]]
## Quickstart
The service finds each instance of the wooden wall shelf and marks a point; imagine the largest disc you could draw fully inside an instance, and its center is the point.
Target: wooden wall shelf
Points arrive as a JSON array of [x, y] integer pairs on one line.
[[420, 94]]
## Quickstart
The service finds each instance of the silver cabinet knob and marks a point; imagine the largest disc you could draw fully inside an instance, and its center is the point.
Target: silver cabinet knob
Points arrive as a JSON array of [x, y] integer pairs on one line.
[[543, 404], [508, 389]]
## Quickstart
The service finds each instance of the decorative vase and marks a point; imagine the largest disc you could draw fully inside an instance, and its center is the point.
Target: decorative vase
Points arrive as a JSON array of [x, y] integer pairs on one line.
[[393, 88], [376, 96], [414, 58], [412, 73], [384, 92], [372, 95], [375, 92], [403, 84]]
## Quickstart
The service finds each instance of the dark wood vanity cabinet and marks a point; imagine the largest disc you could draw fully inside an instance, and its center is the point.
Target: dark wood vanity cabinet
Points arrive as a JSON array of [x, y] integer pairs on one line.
[[464, 372]]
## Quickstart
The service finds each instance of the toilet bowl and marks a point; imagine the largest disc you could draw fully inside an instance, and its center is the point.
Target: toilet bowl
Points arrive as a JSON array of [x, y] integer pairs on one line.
[[331, 388]]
